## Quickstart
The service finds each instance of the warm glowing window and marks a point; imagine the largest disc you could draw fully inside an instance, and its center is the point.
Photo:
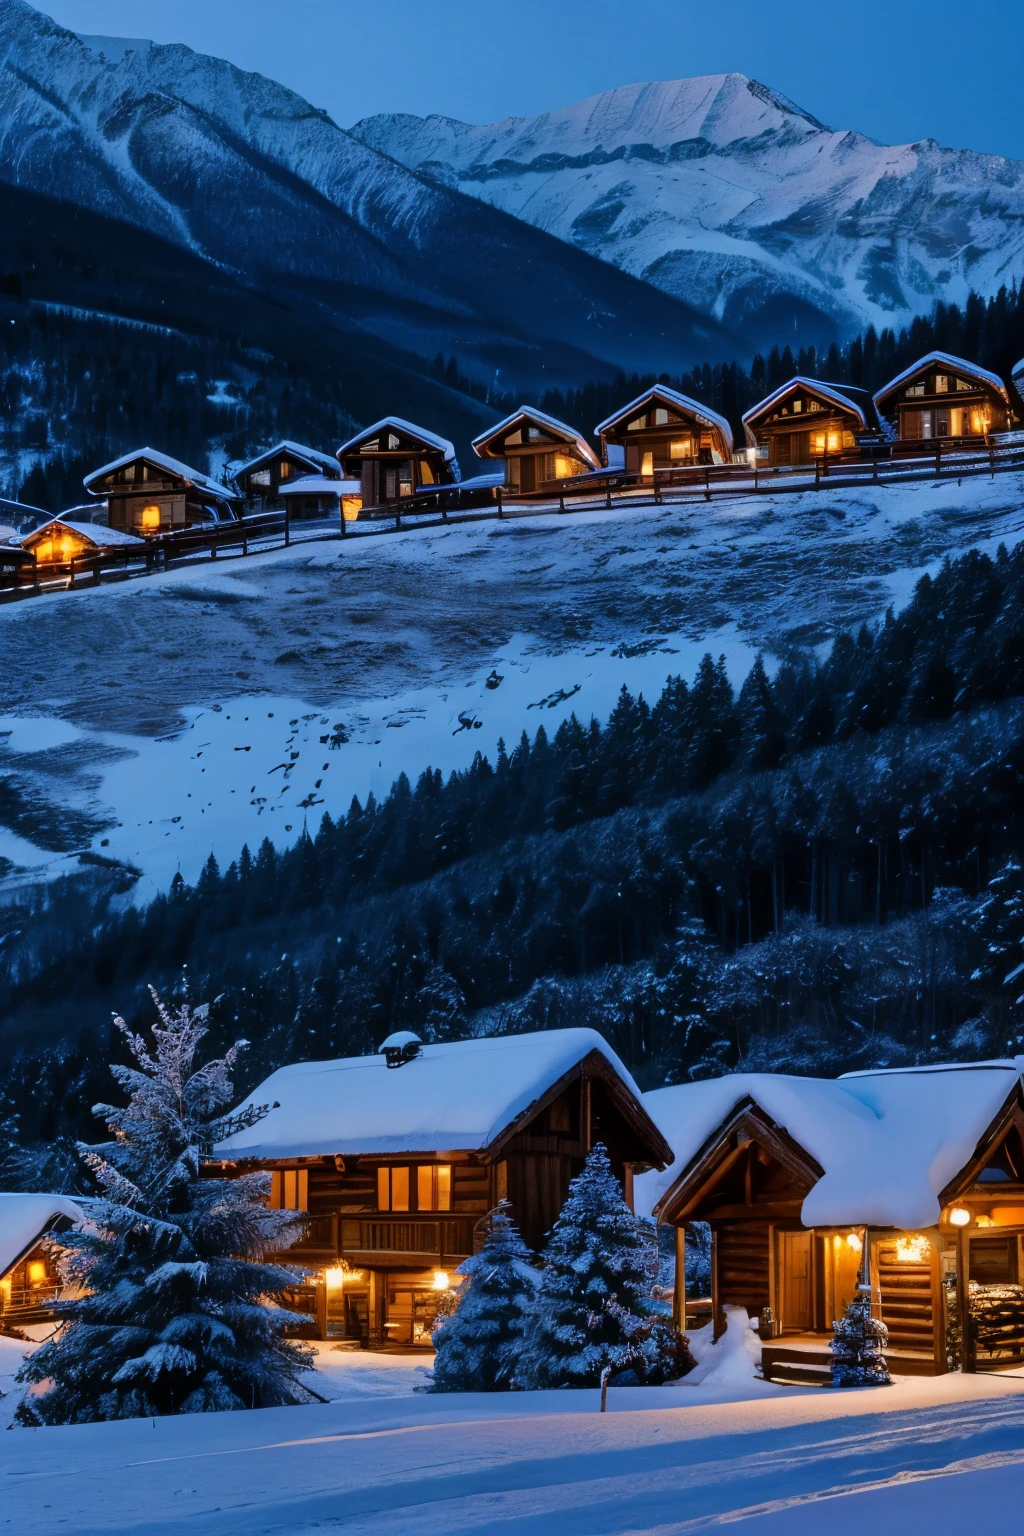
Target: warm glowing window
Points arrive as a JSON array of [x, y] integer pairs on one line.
[[392, 1189], [942, 383], [36, 1272], [150, 518], [647, 466], [979, 421], [285, 470], [681, 448], [798, 406], [426, 473], [637, 424], [963, 386], [289, 1189], [434, 1187]]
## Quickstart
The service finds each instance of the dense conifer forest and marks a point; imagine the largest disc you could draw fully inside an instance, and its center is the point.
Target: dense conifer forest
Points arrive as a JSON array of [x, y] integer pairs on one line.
[[819, 872]]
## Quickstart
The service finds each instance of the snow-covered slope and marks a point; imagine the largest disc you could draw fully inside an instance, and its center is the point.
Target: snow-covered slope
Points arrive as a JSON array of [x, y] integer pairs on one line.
[[723, 192], [252, 177]]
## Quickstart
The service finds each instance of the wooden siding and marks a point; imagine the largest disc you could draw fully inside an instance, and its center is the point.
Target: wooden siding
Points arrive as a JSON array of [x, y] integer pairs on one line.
[[909, 1299], [742, 1266]]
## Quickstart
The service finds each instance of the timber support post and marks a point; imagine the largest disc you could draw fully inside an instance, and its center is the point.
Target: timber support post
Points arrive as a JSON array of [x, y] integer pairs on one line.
[[287, 524]]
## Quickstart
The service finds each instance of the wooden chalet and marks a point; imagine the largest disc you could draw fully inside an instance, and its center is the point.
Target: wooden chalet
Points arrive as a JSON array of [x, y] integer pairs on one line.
[[394, 459], [262, 479], [29, 1281], [62, 540], [149, 493], [662, 430], [398, 1157], [805, 421], [321, 496], [912, 1178], [536, 450], [946, 400]]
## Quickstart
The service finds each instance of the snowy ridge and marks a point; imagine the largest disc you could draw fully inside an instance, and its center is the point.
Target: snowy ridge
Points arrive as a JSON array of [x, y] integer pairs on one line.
[[718, 189], [888, 1142]]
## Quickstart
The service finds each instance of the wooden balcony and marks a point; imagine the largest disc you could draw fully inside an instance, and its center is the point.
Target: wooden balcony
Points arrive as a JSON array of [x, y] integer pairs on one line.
[[382, 1238]]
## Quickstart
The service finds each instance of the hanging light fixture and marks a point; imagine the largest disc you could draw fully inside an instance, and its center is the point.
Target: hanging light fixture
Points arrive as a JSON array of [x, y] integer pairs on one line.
[[441, 1281], [959, 1216]]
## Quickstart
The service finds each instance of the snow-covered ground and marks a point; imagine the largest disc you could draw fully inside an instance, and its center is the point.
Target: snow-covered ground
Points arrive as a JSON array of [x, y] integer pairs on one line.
[[382, 1459], [161, 719]]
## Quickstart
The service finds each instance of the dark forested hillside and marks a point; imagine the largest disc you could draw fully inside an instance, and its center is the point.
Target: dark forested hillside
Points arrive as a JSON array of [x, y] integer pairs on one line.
[[819, 872]]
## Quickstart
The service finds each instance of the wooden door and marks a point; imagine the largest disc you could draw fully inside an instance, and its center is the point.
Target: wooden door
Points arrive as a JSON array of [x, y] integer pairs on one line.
[[795, 1294]]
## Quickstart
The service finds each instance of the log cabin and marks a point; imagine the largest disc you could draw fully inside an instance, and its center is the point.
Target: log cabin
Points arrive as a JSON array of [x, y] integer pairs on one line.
[[398, 1157], [394, 459], [149, 493], [62, 540], [663, 430], [805, 421], [261, 480], [912, 1178], [944, 399], [536, 449], [29, 1281], [319, 496]]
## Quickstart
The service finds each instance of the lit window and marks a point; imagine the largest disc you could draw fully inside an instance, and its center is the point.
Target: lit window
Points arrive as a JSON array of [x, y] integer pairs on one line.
[[392, 1189], [36, 1272], [681, 448], [289, 1189], [979, 422], [942, 383], [150, 519], [637, 424], [798, 406], [434, 1187], [660, 416], [647, 466], [963, 386]]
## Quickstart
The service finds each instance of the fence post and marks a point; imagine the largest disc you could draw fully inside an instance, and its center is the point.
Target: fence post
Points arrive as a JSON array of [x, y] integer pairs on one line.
[[287, 523], [71, 577], [707, 482], [245, 535], [561, 501], [992, 459], [755, 475], [938, 455], [817, 473], [608, 497], [501, 512], [398, 515]]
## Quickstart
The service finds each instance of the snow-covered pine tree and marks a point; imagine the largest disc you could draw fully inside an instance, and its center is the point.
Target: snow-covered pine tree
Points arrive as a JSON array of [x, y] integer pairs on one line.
[[478, 1346], [858, 1342], [594, 1293], [174, 1315]]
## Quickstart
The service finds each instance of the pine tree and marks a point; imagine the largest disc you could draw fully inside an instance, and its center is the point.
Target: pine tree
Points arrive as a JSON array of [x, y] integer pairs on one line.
[[599, 1267], [479, 1345], [858, 1341], [173, 1315]]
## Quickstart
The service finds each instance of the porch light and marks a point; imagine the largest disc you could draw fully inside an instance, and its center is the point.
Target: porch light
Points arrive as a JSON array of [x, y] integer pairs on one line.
[[334, 1279], [441, 1281], [854, 1242], [959, 1217]]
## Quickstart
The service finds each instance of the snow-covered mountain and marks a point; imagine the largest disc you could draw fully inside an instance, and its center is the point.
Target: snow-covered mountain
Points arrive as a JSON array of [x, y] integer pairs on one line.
[[724, 193], [247, 174]]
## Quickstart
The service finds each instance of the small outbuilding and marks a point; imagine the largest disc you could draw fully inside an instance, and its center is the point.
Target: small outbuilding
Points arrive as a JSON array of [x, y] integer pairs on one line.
[[537, 450], [662, 430], [149, 493], [805, 421], [62, 540], [911, 1178], [397, 1158], [29, 1281], [394, 459], [945, 399], [262, 480], [321, 496]]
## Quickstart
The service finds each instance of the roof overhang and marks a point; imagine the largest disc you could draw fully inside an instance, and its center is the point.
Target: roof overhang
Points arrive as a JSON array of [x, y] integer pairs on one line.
[[399, 424], [1011, 1114], [824, 392], [669, 397], [954, 364]]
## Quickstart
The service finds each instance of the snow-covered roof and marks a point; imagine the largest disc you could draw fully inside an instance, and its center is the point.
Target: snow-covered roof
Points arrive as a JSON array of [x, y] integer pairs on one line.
[[1017, 370], [286, 448], [529, 414], [399, 424], [847, 399], [954, 364], [889, 1142], [668, 396], [321, 485], [97, 534], [455, 1097], [161, 461], [24, 1219]]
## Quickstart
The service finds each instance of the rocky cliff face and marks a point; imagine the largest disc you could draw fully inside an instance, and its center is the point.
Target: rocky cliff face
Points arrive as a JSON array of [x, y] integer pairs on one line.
[[722, 193]]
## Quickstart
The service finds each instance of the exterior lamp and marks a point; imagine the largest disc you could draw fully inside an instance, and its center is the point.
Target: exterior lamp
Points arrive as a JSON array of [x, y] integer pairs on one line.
[[334, 1279], [854, 1242], [959, 1217], [441, 1281]]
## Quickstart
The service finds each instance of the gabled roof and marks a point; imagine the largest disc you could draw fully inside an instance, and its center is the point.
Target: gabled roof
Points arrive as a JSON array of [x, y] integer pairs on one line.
[[399, 424], [312, 457], [96, 533], [161, 461], [846, 396], [24, 1219], [533, 417], [668, 396], [463, 1096], [954, 364], [888, 1142], [321, 485]]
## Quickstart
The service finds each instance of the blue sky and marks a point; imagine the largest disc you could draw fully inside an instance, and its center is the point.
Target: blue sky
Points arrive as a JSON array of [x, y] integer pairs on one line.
[[898, 71]]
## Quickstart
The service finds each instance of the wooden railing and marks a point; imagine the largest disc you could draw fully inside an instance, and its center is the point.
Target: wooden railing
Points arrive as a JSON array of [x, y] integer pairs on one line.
[[438, 1235]]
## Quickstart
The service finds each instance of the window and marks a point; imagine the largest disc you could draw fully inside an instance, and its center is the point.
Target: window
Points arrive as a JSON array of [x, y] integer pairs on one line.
[[535, 435], [285, 470], [514, 439], [373, 446], [798, 406], [260, 477], [637, 424], [150, 519], [405, 480], [647, 466], [681, 448], [915, 389], [289, 1189], [942, 383], [979, 421], [392, 441], [963, 386], [392, 1189], [426, 473], [660, 416], [434, 1187]]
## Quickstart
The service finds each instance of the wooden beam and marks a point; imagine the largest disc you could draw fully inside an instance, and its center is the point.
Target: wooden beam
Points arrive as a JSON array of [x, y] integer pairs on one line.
[[679, 1289]]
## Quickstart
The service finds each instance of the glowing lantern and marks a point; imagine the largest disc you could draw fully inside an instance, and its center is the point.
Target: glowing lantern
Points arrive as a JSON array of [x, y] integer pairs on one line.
[[334, 1279], [441, 1281], [150, 519], [37, 1272], [959, 1217]]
